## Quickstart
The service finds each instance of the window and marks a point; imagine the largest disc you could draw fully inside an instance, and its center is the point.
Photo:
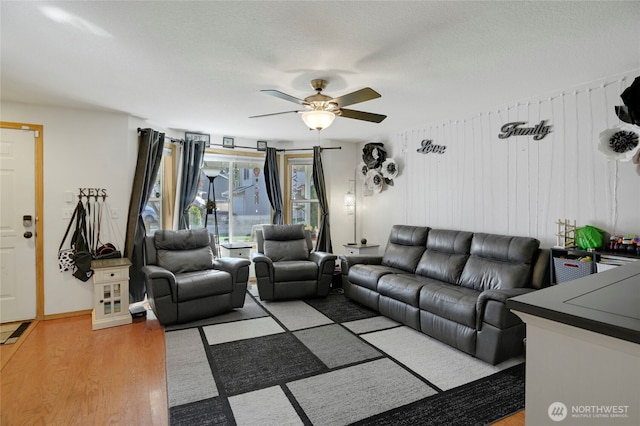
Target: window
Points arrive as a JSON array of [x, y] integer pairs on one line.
[[241, 202], [300, 192], [158, 212]]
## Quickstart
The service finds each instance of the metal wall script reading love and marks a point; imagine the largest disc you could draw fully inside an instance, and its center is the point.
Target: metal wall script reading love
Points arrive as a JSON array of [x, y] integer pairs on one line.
[[511, 129], [427, 147]]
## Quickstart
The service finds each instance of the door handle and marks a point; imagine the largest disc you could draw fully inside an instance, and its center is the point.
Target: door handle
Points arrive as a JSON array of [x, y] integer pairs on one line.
[[28, 234]]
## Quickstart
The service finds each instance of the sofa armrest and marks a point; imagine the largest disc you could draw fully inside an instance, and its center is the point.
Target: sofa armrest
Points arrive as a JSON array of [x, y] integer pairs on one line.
[[496, 295], [160, 282], [348, 261], [237, 267]]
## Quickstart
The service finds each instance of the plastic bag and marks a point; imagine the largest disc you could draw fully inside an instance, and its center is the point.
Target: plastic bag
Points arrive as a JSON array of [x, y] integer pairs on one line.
[[589, 237]]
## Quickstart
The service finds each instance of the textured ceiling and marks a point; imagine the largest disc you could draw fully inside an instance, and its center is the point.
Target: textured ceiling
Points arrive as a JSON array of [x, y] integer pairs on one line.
[[201, 65]]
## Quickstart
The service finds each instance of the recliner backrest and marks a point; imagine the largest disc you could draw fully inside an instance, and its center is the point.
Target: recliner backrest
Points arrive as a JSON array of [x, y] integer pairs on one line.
[[405, 247], [446, 254], [284, 242], [500, 261], [179, 251]]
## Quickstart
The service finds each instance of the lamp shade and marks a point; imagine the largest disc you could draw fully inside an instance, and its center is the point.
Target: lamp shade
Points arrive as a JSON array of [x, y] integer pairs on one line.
[[350, 202], [318, 120], [349, 199]]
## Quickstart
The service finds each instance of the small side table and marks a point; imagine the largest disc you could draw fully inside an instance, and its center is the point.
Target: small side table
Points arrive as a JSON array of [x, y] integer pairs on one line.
[[240, 250], [358, 249], [110, 293], [235, 250]]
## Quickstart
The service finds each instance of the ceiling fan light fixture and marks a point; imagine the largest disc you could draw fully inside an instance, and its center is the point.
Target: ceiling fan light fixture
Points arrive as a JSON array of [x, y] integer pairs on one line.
[[318, 119]]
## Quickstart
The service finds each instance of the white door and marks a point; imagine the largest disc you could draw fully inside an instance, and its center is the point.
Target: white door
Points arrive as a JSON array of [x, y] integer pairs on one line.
[[17, 236]]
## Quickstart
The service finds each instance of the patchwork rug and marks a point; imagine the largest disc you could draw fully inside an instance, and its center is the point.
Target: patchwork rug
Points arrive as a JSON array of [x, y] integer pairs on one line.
[[328, 361]]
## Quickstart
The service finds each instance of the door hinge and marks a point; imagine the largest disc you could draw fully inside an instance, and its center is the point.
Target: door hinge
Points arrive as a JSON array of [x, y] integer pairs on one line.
[[36, 133]]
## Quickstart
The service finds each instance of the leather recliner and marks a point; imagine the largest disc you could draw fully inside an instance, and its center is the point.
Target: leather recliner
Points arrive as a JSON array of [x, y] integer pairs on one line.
[[287, 268], [185, 283]]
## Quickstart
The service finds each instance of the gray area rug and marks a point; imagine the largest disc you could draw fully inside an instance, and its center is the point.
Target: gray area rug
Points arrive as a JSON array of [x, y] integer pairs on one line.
[[338, 364]]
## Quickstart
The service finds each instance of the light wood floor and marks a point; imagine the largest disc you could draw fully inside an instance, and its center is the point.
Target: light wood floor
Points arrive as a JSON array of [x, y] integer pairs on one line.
[[63, 373]]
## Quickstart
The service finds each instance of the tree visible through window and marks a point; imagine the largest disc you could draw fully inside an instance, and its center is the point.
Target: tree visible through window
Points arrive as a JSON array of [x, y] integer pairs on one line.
[[240, 197]]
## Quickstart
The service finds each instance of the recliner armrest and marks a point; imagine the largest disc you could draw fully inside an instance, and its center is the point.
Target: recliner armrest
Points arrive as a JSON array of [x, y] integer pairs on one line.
[[160, 281], [263, 266], [497, 295], [320, 257], [326, 262], [232, 265]]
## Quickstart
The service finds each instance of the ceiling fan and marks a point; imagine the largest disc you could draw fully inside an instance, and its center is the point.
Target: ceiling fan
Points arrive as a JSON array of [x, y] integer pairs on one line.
[[320, 110]]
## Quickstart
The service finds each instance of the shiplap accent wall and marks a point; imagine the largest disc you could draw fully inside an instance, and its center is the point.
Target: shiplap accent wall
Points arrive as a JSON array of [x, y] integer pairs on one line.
[[515, 186]]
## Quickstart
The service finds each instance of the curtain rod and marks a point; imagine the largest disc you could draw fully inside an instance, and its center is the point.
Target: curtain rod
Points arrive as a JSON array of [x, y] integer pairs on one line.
[[277, 150], [249, 147], [166, 137]]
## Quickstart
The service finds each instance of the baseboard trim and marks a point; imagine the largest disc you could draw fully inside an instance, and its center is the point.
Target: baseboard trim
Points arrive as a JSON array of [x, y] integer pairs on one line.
[[68, 314]]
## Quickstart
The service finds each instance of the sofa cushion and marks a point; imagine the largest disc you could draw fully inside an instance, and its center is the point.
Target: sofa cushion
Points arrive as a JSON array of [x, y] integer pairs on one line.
[[179, 261], [184, 239], [185, 250], [504, 248], [295, 270], [196, 285], [448, 301], [402, 287], [368, 275], [279, 251], [405, 247], [499, 262], [446, 254], [285, 242]]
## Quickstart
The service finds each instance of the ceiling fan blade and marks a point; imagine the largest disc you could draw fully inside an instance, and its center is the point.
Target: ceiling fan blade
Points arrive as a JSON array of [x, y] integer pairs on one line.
[[358, 96], [360, 115], [273, 113], [279, 94]]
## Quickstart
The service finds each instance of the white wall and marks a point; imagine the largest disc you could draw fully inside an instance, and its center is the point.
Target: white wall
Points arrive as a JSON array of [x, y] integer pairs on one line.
[[81, 149], [515, 186]]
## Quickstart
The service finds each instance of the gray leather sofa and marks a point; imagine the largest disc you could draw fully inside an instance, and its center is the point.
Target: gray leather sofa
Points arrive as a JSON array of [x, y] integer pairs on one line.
[[451, 285], [184, 282], [287, 268]]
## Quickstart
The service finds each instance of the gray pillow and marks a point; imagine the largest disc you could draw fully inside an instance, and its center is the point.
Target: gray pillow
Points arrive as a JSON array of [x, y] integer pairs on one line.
[[178, 261]]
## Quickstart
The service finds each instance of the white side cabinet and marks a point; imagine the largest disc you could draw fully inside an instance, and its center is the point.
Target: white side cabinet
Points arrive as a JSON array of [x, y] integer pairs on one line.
[[110, 293], [240, 250], [358, 249], [235, 250]]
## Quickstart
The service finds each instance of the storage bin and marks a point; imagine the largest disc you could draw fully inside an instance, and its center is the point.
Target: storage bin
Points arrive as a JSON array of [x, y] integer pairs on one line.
[[571, 269]]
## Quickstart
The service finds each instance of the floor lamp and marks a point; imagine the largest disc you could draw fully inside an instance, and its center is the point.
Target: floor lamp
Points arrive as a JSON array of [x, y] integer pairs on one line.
[[212, 207]]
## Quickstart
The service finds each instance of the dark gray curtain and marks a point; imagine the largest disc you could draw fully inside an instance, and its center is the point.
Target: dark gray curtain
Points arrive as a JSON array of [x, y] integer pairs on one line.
[[323, 242], [149, 157], [272, 181], [192, 156]]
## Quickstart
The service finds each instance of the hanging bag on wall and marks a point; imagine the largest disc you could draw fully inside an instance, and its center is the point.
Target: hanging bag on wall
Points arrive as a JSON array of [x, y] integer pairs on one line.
[[65, 256], [82, 254], [105, 250]]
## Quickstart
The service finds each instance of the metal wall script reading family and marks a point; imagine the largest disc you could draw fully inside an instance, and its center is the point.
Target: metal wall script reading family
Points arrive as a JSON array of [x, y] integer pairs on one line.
[[511, 129]]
